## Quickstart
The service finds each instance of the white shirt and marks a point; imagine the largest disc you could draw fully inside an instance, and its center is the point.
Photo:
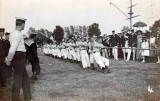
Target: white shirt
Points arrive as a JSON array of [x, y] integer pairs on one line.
[[97, 46], [17, 44], [152, 40]]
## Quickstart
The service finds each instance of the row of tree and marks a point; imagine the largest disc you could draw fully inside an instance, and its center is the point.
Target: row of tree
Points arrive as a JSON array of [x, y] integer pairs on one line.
[[59, 33], [72, 32]]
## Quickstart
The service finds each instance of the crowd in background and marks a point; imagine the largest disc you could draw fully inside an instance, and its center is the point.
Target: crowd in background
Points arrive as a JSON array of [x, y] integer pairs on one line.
[[86, 51], [132, 46]]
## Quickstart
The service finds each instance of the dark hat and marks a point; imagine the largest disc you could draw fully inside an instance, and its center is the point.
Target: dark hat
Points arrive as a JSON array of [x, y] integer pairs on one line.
[[113, 31], [33, 33], [7, 33], [132, 30], [20, 20], [139, 31], [2, 29]]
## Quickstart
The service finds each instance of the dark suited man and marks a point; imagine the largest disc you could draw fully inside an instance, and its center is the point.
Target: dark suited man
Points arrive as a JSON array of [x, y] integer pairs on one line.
[[121, 45], [17, 59], [114, 43], [132, 44], [2, 59], [32, 55]]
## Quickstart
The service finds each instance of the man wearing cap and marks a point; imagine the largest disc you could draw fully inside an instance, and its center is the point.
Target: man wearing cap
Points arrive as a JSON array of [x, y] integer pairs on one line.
[[132, 44], [32, 55], [100, 60], [17, 59], [114, 43], [2, 59]]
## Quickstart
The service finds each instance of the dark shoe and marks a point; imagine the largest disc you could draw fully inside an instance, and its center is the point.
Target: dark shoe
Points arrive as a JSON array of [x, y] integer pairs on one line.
[[92, 67], [107, 70]]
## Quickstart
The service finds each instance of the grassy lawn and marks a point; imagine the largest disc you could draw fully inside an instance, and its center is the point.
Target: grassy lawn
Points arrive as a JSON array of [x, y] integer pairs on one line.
[[64, 81]]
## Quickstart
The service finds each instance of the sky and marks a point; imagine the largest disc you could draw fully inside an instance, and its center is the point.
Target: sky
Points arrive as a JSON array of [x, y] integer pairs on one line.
[[49, 13]]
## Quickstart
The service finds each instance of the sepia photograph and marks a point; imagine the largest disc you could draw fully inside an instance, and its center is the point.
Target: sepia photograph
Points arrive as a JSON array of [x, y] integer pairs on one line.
[[79, 50]]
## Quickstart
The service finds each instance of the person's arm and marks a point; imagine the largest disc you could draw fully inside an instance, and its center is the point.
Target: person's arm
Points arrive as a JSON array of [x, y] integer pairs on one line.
[[14, 44]]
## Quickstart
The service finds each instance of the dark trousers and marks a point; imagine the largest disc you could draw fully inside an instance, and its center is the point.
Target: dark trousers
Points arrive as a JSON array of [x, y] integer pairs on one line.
[[2, 77], [21, 78], [35, 67]]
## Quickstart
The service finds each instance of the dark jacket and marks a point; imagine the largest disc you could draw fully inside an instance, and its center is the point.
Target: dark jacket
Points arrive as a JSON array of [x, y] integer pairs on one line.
[[5, 70], [2, 52], [122, 41], [105, 43], [114, 41], [31, 52], [132, 40], [7, 46]]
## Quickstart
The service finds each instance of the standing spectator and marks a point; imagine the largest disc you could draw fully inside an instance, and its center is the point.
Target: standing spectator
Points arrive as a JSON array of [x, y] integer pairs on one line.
[[122, 41], [2, 59], [132, 44], [145, 53], [17, 59], [32, 55], [121, 45], [114, 43], [139, 41], [152, 46], [105, 42], [157, 45], [7, 46]]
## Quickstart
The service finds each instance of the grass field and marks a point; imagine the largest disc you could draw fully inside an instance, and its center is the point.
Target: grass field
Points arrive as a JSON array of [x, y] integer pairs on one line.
[[64, 81]]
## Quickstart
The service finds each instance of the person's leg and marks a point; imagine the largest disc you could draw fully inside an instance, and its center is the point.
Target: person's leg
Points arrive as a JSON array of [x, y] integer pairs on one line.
[[124, 54], [2, 78], [37, 69], [91, 58], [26, 86], [134, 53], [105, 61], [17, 78], [33, 66], [158, 57], [113, 52], [84, 63], [87, 59], [106, 53], [116, 53], [143, 59], [129, 54], [103, 53], [97, 58]]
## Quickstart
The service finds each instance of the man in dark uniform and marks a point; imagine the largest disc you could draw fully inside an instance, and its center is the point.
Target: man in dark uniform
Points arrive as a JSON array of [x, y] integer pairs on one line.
[[2, 59], [121, 45], [17, 59], [114, 43], [132, 44], [32, 55], [7, 46]]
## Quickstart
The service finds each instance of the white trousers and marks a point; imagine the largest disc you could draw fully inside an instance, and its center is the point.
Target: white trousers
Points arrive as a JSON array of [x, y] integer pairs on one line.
[[129, 53], [101, 61], [91, 57], [53, 52], [64, 53], [78, 54], [71, 54], [115, 52], [105, 53], [85, 59]]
